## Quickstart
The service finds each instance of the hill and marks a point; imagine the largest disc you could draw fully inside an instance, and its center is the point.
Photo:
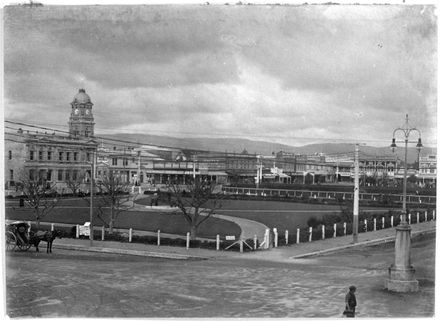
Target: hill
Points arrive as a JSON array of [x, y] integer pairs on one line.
[[261, 147]]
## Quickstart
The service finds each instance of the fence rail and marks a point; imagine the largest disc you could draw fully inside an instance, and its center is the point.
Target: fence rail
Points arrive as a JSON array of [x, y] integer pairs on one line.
[[287, 193]]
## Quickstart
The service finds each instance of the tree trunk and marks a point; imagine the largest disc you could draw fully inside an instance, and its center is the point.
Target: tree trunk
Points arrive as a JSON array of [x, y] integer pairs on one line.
[[111, 221], [193, 232]]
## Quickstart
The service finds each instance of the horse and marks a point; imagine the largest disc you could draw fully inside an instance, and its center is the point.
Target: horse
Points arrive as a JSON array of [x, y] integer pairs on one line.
[[46, 236]]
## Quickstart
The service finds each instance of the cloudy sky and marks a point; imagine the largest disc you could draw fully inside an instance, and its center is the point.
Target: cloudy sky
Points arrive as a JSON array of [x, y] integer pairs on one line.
[[287, 74]]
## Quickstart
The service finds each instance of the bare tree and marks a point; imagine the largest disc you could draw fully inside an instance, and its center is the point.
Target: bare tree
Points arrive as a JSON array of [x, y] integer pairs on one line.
[[39, 194], [196, 202], [112, 199], [74, 184]]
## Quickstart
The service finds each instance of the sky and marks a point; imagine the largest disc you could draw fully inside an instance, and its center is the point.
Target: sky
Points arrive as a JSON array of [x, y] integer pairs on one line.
[[287, 74]]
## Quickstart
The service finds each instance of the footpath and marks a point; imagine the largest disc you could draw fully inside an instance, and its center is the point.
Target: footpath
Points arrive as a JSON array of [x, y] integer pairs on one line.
[[280, 254]]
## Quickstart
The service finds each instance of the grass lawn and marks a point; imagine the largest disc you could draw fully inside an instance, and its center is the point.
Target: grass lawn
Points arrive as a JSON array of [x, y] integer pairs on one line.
[[150, 221]]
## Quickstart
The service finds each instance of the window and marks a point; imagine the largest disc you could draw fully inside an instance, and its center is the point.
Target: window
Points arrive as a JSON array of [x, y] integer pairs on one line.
[[31, 155], [67, 175], [60, 175], [40, 155], [88, 157], [68, 156], [75, 174], [125, 162], [11, 175], [49, 175], [60, 156], [75, 156], [49, 155], [31, 174], [114, 161], [10, 155]]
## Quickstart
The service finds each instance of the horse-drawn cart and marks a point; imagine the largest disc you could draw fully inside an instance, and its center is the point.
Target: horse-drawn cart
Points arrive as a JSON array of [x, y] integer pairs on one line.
[[17, 235]]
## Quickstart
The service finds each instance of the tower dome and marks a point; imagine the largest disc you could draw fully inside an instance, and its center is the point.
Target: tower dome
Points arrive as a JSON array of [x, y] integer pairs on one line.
[[81, 97]]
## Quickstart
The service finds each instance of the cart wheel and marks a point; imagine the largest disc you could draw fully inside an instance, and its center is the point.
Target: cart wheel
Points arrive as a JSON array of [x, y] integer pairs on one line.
[[24, 247], [11, 241]]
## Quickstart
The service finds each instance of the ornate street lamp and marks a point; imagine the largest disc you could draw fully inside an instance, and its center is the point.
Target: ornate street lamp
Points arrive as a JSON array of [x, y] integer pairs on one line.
[[401, 273]]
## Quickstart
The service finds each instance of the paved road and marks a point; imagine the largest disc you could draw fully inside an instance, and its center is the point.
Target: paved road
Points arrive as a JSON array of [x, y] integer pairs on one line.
[[83, 284]]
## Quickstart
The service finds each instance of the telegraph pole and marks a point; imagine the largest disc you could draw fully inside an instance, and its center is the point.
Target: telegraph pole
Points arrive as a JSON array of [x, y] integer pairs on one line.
[[356, 194], [92, 173]]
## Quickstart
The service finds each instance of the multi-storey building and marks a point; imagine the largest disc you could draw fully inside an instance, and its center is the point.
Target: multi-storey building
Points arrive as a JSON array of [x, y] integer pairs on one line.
[[427, 169]]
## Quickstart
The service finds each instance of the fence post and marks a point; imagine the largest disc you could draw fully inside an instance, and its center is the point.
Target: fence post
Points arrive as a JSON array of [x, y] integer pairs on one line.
[[187, 240], [158, 237], [217, 242], [286, 237], [275, 235], [241, 245], [383, 222], [392, 221], [130, 234], [77, 231], [255, 242], [102, 232], [345, 229], [418, 217], [297, 235], [323, 231], [334, 230], [267, 239], [426, 215], [374, 224], [310, 234]]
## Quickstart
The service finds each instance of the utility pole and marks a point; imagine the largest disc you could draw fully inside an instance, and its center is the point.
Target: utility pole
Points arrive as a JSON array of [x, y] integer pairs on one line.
[[356, 194], [92, 172], [139, 168]]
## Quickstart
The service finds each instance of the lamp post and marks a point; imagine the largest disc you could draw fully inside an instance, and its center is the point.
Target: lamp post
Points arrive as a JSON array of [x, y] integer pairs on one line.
[[401, 273]]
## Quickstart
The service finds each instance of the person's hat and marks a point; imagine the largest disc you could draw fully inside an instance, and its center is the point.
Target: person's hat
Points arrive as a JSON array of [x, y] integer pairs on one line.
[[352, 288]]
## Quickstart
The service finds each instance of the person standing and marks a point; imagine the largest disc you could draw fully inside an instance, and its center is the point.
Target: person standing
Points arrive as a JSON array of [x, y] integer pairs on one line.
[[350, 302]]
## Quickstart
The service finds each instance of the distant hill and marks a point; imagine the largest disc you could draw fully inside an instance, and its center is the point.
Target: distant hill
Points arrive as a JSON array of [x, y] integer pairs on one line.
[[260, 147]]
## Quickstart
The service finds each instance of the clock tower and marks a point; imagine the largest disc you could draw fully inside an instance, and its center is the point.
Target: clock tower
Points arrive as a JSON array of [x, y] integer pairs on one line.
[[81, 118]]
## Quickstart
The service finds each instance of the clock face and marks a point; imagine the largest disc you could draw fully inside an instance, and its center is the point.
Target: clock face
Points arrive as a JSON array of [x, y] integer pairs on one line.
[[76, 111]]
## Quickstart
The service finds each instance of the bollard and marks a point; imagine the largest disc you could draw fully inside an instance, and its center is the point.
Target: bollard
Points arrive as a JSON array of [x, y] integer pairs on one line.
[[255, 242], [392, 221], [383, 222], [286, 237], [366, 225], [275, 236], [297, 235], [345, 229], [241, 245], [130, 235], [426, 215], [77, 231], [158, 237], [323, 231], [374, 224], [217, 242], [267, 239], [310, 234], [334, 230], [52, 227], [418, 217], [102, 232], [187, 240]]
